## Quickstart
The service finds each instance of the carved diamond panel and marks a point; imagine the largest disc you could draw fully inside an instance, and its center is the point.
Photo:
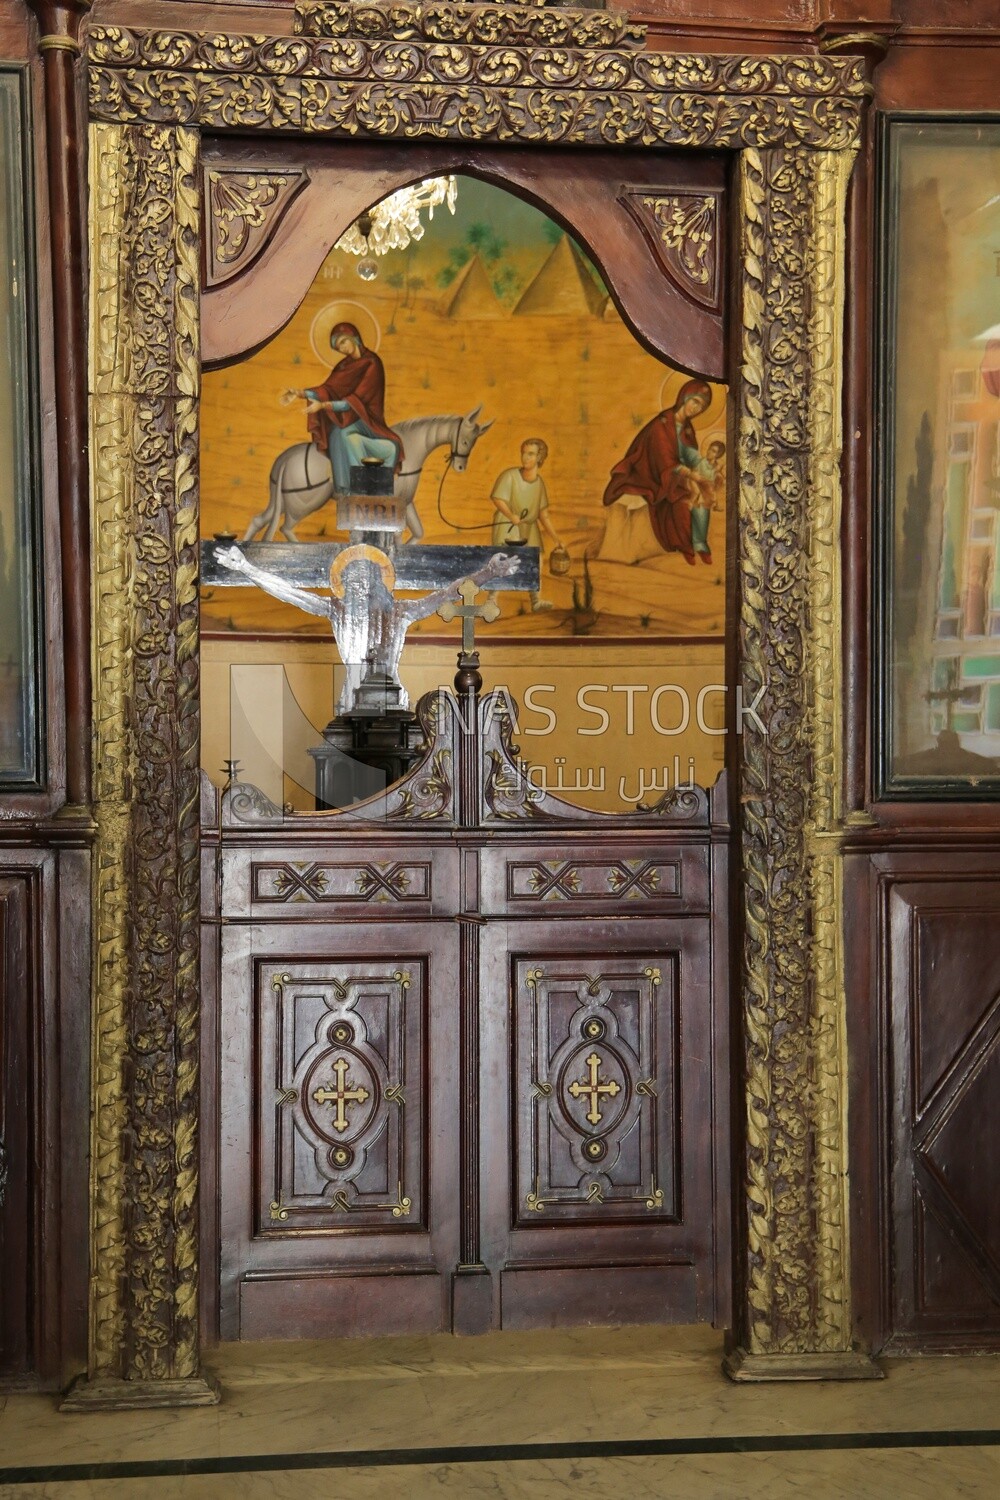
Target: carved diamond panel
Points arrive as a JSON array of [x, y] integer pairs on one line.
[[596, 1091], [340, 1098], [297, 881], [590, 880]]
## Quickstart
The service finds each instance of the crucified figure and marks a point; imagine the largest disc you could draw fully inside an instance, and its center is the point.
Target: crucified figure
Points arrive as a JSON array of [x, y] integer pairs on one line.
[[369, 623]]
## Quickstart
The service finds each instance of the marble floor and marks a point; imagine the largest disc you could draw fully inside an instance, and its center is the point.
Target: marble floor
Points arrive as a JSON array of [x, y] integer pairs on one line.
[[293, 1414]]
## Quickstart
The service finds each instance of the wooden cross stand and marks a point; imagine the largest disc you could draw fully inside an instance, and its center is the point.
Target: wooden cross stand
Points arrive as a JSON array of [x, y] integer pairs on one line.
[[468, 678]]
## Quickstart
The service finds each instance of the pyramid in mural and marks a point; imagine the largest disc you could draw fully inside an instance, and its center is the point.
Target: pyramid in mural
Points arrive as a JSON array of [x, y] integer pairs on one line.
[[471, 294], [563, 287]]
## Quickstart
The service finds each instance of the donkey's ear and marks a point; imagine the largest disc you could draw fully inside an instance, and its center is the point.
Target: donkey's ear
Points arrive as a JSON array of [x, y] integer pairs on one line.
[[485, 426], [474, 414]]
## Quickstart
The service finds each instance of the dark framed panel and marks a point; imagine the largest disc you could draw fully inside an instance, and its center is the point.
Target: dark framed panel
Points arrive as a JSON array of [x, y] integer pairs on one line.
[[22, 695], [939, 932], [938, 560]]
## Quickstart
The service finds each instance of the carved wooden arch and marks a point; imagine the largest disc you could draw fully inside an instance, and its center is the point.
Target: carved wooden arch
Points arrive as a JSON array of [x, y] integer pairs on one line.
[[681, 323], [472, 73]]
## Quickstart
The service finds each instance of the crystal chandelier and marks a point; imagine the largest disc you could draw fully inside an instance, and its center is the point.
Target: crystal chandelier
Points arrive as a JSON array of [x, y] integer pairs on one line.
[[394, 222]]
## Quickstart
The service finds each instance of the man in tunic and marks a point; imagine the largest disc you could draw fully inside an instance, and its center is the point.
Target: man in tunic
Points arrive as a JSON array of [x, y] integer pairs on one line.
[[346, 414], [663, 467], [522, 505]]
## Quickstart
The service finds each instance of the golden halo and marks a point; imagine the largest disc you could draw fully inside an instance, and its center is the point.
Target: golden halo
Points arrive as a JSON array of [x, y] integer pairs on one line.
[[361, 552], [327, 319], [712, 412]]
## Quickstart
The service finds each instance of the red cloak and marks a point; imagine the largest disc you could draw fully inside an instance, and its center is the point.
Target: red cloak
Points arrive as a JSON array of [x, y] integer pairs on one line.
[[651, 468], [359, 379]]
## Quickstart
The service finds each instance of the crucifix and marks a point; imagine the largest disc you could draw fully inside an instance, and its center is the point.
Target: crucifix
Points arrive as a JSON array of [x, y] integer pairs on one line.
[[356, 589]]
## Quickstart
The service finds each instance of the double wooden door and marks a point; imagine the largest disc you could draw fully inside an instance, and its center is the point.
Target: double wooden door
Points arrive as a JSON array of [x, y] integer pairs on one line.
[[468, 1078]]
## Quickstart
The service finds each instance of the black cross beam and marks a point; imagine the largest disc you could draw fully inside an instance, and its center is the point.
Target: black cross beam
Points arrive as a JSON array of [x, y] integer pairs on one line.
[[307, 564]]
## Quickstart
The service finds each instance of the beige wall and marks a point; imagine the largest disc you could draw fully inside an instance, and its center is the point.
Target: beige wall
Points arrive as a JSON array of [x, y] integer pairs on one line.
[[548, 676]]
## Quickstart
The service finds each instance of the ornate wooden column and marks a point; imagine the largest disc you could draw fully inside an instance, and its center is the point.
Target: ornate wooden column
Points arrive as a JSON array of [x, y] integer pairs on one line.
[[793, 1264], [144, 380], [467, 73]]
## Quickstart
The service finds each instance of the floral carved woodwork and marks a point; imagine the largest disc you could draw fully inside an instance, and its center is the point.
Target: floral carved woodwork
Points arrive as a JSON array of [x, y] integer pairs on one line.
[[482, 25], [144, 369], [468, 74], [363, 80], [244, 211], [684, 230]]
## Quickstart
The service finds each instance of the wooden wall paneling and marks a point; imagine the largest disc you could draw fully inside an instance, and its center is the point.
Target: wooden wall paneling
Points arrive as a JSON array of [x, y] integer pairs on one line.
[[66, 946], [18, 1178], [868, 1102], [210, 1135], [941, 71], [44, 851], [941, 933], [34, 1244], [724, 1021]]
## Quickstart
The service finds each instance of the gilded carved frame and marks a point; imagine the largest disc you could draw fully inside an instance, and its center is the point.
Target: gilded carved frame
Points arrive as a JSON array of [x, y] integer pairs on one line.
[[493, 73]]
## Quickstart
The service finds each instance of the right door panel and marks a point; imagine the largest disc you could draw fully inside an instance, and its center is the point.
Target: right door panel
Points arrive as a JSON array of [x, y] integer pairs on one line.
[[597, 1108]]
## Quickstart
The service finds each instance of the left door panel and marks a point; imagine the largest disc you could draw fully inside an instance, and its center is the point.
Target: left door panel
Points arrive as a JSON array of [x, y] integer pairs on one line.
[[339, 1073]]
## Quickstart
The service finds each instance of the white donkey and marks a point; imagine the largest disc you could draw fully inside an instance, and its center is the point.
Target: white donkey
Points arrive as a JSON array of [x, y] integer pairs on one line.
[[302, 479]]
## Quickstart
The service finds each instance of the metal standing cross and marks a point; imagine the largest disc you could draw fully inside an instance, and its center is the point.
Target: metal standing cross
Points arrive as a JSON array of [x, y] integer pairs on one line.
[[469, 612]]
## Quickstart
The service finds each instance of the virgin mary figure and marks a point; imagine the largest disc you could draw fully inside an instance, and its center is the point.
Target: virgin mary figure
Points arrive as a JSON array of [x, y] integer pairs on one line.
[[664, 469], [346, 414]]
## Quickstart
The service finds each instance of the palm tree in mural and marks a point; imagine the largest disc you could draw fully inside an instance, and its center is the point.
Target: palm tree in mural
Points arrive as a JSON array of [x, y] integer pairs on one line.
[[480, 239], [506, 283], [417, 284], [396, 280]]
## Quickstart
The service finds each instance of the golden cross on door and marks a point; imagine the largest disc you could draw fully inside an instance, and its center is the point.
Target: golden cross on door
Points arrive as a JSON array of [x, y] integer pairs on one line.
[[595, 1088], [469, 612], [341, 1095]]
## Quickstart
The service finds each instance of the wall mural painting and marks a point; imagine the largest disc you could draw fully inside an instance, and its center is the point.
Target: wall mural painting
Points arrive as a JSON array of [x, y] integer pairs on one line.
[[942, 463], [20, 687], [487, 363]]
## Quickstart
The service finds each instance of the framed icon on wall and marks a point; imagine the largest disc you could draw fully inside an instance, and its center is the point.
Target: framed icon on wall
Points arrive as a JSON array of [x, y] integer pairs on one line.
[[21, 688], [937, 589]]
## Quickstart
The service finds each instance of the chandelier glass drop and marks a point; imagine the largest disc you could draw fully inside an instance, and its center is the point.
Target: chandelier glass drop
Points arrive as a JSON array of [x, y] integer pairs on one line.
[[393, 223]]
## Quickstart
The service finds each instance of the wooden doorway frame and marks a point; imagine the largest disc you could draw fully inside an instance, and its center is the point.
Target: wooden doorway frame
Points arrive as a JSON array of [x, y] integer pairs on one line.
[[467, 73]]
